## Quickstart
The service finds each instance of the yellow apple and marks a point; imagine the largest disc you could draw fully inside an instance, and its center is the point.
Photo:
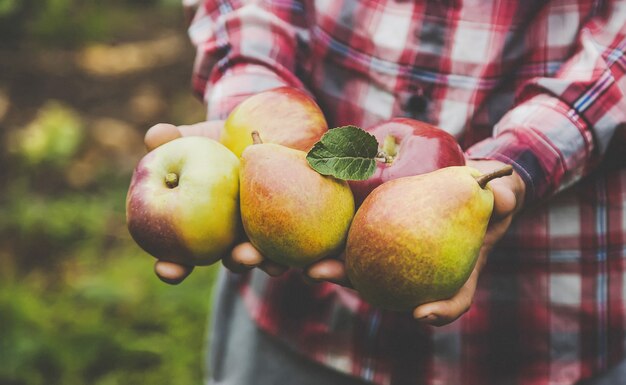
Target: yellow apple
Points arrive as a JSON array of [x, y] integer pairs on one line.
[[183, 202]]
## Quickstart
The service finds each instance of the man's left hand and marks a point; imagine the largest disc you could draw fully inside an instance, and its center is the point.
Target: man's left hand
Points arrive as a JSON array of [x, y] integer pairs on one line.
[[508, 195]]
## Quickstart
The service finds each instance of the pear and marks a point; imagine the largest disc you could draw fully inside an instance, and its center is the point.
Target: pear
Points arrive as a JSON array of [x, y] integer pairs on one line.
[[291, 213], [416, 239]]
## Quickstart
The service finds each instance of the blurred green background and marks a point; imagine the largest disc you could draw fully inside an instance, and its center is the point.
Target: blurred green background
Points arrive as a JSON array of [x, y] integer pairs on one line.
[[80, 82]]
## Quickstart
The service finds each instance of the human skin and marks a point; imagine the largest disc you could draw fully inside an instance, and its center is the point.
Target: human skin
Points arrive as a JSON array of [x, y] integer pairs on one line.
[[508, 191]]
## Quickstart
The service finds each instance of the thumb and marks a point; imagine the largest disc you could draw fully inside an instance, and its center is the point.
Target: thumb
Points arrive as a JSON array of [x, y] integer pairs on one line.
[[210, 129], [162, 133], [172, 273], [504, 200]]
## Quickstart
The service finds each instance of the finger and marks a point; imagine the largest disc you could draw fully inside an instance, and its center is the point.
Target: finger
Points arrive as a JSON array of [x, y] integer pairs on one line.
[[508, 190], [210, 129], [159, 134], [505, 201], [331, 270], [495, 231], [172, 273], [443, 312], [272, 268], [233, 266], [243, 257], [246, 254]]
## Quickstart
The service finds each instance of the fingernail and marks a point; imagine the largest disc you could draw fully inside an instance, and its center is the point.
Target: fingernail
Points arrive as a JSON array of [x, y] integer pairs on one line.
[[428, 318], [311, 280]]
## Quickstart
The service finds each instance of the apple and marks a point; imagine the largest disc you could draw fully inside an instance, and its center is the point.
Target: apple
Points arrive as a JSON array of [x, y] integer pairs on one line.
[[408, 147], [183, 202], [283, 115]]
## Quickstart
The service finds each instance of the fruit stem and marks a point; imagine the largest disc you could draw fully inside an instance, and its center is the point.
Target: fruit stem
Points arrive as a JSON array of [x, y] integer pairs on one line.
[[390, 146], [482, 180], [171, 180], [256, 138], [383, 157], [389, 150]]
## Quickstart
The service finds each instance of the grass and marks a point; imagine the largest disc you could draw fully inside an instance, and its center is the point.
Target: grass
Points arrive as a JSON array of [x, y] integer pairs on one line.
[[105, 322], [79, 303]]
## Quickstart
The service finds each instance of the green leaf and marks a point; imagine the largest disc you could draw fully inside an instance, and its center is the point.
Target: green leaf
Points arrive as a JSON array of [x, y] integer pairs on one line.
[[347, 153]]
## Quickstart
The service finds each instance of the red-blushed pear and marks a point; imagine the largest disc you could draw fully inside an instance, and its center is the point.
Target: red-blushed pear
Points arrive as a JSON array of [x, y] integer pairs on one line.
[[183, 202], [292, 214], [408, 147], [416, 239], [283, 115]]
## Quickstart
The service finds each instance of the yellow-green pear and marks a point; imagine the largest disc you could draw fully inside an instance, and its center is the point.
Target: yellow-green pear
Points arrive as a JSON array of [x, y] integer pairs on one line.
[[183, 201], [291, 213], [416, 239]]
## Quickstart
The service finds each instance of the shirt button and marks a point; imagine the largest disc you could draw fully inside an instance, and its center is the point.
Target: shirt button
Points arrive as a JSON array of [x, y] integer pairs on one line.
[[417, 104]]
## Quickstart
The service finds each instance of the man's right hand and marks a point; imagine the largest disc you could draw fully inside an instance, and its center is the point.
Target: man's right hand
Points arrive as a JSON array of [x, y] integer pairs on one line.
[[243, 256]]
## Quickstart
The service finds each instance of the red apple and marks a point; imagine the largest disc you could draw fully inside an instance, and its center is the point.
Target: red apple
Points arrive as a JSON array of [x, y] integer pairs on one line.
[[283, 115], [408, 147]]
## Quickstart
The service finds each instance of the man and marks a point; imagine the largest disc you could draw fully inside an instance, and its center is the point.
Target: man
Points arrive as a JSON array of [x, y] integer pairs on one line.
[[539, 85]]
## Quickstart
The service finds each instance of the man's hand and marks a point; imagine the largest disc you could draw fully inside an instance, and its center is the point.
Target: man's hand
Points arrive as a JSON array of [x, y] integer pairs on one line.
[[243, 256], [508, 199], [508, 194]]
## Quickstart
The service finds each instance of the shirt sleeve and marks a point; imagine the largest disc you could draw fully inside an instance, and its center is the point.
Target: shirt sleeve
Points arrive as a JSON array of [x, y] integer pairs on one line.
[[562, 125], [244, 47]]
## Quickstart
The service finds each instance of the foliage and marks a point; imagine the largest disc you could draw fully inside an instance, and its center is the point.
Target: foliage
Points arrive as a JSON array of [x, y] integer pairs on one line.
[[53, 136], [79, 303], [347, 153], [7, 7], [68, 21], [106, 322], [72, 22]]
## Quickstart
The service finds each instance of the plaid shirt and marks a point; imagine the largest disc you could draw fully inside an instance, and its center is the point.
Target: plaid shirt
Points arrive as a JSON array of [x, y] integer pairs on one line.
[[537, 84]]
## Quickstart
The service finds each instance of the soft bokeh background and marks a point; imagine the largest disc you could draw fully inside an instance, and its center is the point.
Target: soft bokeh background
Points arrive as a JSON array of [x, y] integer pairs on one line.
[[80, 82]]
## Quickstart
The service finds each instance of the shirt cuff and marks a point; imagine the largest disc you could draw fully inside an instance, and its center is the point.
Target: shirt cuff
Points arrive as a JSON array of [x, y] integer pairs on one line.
[[238, 83], [545, 141]]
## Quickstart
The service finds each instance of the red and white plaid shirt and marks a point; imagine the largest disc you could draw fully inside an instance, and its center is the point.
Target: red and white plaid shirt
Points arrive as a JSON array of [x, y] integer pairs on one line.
[[537, 84]]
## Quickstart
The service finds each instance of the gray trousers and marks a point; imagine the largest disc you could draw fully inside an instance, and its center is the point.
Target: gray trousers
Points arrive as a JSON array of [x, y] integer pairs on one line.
[[242, 354]]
